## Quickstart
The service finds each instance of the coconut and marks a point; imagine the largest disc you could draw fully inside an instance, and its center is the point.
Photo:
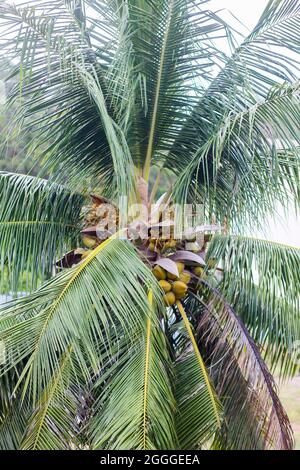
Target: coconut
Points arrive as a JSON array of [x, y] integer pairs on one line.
[[169, 298], [194, 247], [180, 289], [172, 277], [152, 246], [170, 244], [89, 242], [185, 277], [198, 270], [165, 285], [180, 267], [159, 273]]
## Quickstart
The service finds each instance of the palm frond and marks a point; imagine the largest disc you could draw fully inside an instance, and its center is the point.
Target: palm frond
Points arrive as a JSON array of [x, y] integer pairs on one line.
[[82, 305], [253, 415], [70, 127], [13, 413], [261, 280], [263, 67], [274, 327], [251, 72], [12, 426], [199, 410], [54, 423], [118, 147], [239, 162], [159, 62], [135, 408], [38, 219]]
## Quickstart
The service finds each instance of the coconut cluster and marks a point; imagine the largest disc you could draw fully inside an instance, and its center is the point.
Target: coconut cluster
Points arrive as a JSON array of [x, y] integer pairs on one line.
[[175, 287], [178, 264]]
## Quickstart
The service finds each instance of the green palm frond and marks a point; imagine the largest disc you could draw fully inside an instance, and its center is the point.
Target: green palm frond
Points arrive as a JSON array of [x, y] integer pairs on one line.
[[118, 147], [38, 219], [274, 327], [261, 280], [159, 62], [239, 159], [14, 412], [54, 423], [253, 415], [260, 71], [199, 410], [135, 408], [12, 426], [62, 335], [83, 304], [71, 127], [247, 77]]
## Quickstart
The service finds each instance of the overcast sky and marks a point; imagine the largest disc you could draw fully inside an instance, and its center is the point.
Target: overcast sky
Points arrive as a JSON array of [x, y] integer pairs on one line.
[[247, 12], [286, 229]]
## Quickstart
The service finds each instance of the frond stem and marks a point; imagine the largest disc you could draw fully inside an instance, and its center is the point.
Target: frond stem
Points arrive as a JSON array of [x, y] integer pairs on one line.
[[147, 165], [199, 359], [146, 375]]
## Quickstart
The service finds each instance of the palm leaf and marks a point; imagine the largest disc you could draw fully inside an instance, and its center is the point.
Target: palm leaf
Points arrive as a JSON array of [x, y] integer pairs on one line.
[[261, 280], [84, 303], [275, 328], [254, 416], [70, 127], [13, 413], [158, 63], [227, 176], [38, 220], [199, 410], [54, 423], [251, 72], [135, 408], [12, 426], [239, 160]]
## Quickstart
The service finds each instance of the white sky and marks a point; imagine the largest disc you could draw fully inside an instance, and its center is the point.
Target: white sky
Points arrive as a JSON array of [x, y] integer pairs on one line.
[[285, 229], [247, 11]]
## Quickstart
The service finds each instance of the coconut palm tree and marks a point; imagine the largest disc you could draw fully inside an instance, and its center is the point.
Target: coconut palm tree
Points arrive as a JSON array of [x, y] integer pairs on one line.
[[148, 342]]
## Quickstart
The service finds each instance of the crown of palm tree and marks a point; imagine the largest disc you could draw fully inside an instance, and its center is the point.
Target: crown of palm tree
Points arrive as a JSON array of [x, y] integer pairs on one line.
[[122, 94]]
